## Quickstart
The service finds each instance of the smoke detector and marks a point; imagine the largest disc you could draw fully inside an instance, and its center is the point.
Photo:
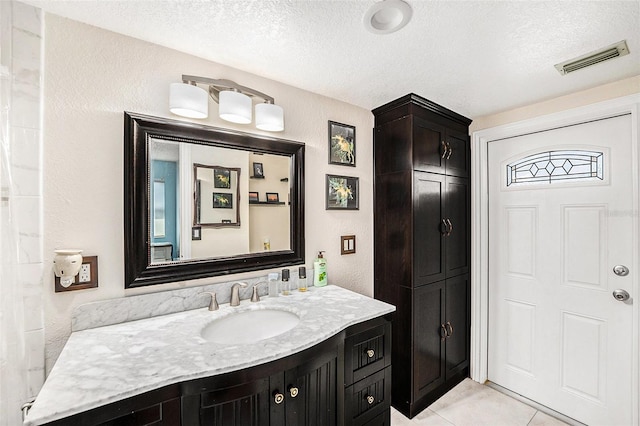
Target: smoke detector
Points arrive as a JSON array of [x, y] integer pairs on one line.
[[615, 50]]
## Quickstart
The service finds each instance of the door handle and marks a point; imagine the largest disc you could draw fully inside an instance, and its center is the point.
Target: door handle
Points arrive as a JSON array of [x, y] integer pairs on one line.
[[450, 229], [621, 270], [450, 150], [621, 295], [444, 147]]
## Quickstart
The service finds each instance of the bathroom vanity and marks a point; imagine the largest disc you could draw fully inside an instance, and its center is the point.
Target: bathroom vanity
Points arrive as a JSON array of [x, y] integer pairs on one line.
[[332, 368]]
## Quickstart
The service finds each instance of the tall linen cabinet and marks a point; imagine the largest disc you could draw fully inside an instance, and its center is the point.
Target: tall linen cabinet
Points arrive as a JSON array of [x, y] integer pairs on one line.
[[422, 245]]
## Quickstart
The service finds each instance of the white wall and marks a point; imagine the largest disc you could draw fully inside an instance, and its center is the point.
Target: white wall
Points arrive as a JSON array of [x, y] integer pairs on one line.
[[596, 94], [91, 77]]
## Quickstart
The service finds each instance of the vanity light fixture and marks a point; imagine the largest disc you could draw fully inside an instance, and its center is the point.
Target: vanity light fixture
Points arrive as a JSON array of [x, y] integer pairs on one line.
[[235, 105], [66, 265], [387, 16]]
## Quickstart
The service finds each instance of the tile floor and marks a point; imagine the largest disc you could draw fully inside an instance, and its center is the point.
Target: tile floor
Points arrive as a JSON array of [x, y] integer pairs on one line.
[[473, 404]]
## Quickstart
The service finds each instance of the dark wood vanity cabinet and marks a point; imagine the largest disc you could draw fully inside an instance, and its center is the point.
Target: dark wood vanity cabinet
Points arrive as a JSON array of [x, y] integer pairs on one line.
[[344, 381], [298, 390], [422, 245], [367, 374]]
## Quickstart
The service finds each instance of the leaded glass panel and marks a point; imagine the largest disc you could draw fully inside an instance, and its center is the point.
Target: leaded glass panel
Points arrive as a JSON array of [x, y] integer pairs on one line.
[[556, 166]]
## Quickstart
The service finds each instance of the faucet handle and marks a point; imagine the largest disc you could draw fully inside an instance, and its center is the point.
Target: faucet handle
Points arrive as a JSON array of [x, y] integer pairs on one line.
[[213, 305], [255, 297]]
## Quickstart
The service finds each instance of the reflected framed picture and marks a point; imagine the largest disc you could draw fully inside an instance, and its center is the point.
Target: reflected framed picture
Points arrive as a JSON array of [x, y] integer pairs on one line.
[[342, 193], [222, 200], [273, 197], [221, 178], [258, 171], [253, 197], [342, 144]]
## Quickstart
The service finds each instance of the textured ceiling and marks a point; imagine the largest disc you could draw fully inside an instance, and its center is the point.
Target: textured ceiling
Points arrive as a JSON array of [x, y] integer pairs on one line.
[[475, 57]]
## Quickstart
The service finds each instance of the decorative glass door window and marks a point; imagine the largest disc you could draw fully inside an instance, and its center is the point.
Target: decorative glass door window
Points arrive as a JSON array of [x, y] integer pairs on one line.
[[556, 166]]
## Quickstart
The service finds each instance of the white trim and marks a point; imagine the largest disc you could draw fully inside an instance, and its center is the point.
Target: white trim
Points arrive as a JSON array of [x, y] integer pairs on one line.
[[480, 222]]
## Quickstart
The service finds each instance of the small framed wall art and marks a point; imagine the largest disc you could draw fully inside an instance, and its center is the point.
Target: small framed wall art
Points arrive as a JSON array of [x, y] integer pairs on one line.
[[253, 197], [258, 171], [342, 193], [222, 200], [273, 197], [342, 144], [221, 178]]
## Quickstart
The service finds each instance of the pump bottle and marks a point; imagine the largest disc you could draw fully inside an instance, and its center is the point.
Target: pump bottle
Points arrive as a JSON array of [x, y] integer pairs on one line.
[[320, 271]]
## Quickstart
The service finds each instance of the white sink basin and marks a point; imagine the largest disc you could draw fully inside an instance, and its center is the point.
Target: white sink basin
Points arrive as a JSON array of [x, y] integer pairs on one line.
[[249, 326]]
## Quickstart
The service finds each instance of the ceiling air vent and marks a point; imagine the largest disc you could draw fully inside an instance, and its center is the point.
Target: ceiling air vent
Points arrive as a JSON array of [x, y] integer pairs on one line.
[[601, 55]]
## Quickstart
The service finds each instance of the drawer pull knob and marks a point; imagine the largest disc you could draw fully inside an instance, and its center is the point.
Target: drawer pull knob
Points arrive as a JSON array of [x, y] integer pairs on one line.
[[278, 397], [293, 391], [370, 399], [371, 353]]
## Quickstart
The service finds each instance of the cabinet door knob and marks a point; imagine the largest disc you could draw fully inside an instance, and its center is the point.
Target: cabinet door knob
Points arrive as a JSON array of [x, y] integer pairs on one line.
[[443, 332], [443, 145], [370, 353], [449, 227], [370, 399], [293, 391], [278, 397], [449, 329]]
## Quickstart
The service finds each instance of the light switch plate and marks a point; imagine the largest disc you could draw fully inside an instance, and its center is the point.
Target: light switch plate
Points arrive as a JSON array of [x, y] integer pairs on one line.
[[87, 278], [347, 244]]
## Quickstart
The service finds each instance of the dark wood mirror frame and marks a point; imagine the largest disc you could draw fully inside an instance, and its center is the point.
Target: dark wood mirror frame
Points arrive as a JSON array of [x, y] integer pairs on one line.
[[138, 271]]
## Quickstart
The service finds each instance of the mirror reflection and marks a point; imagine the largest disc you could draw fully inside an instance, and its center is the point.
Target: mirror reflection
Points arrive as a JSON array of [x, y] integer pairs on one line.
[[200, 201], [215, 202]]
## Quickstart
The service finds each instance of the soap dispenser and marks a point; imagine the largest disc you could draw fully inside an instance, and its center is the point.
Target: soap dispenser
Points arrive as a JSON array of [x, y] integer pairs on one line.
[[320, 270]]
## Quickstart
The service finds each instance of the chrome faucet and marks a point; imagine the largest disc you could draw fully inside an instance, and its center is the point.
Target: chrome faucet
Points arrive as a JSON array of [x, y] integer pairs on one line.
[[235, 293], [213, 305]]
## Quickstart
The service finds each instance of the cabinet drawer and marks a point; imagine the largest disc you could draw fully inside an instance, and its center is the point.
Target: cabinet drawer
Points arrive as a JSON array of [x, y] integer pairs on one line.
[[367, 352], [382, 419], [166, 413], [368, 398]]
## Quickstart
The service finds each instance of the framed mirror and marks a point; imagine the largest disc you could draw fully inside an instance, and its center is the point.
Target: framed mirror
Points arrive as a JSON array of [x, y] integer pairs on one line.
[[217, 195], [195, 206]]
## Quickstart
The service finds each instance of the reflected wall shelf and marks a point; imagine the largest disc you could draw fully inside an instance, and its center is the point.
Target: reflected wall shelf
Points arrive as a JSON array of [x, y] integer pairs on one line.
[[264, 203]]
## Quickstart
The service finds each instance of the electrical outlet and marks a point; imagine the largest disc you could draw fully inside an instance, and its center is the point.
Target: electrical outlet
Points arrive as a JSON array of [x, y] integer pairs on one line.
[[86, 278], [85, 273]]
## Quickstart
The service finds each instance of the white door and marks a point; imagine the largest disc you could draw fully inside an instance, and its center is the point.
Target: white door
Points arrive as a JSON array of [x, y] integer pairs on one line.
[[560, 220]]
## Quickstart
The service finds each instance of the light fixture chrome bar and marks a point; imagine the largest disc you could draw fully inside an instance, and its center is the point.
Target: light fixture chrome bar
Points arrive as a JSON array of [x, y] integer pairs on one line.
[[218, 85]]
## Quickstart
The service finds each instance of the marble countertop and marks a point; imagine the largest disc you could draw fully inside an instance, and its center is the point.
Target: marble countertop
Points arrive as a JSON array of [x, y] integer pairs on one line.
[[103, 365]]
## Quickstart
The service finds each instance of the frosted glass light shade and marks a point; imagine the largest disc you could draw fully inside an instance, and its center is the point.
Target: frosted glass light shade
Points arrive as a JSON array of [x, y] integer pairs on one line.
[[235, 107], [269, 117], [189, 101]]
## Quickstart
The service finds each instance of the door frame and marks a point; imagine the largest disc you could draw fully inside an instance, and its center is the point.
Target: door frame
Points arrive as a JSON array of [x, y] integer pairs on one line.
[[480, 222]]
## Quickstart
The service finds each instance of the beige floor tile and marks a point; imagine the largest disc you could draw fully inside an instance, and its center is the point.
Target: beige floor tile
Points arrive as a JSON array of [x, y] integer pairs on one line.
[[473, 404], [542, 419], [425, 418]]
